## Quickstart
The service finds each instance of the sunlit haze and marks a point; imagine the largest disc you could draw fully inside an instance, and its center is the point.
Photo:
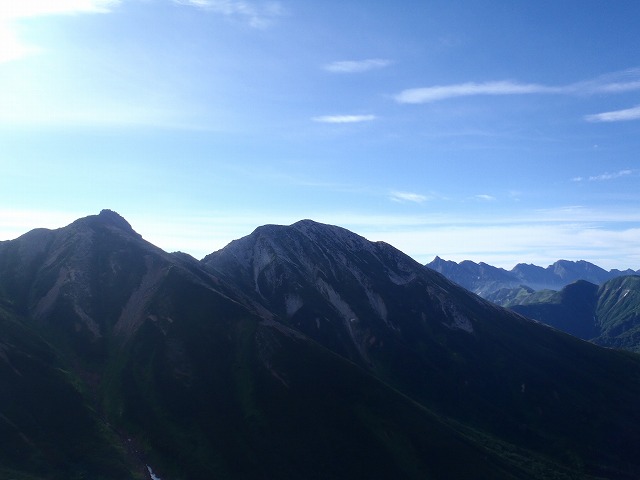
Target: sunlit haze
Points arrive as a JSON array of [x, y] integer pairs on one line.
[[503, 132]]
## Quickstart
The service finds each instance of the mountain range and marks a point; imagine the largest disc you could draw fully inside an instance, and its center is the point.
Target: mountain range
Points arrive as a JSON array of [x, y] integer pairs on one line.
[[485, 280], [302, 351], [607, 315], [575, 297]]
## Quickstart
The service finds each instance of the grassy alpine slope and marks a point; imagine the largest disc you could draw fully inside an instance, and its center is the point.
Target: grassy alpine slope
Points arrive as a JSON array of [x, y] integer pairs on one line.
[[608, 315]]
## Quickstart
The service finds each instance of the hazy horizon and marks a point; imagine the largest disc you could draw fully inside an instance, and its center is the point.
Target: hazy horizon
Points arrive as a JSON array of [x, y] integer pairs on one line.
[[500, 132]]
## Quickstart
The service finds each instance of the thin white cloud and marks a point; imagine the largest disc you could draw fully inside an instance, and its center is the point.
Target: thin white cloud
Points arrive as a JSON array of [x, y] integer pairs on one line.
[[617, 82], [407, 197], [357, 66], [604, 176], [344, 118], [257, 15], [615, 116], [485, 197], [443, 92]]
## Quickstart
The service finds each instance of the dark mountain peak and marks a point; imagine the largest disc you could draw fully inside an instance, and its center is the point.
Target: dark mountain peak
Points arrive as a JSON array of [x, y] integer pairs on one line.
[[308, 223], [570, 271], [436, 262], [305, 241], [441, 261], [525, 266], [306, 246], [468, 263], [322, 232], [620, 273], [309, 228], [105, 219], [561, 266], [443, 266], [82, 280], [579, 290], [537, 277], [572, 265], [115, 219], [480, 278], [336, 286], [581, 284]]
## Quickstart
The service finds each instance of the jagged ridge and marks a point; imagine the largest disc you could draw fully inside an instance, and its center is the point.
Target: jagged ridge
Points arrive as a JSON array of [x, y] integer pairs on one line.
[[486, 280]]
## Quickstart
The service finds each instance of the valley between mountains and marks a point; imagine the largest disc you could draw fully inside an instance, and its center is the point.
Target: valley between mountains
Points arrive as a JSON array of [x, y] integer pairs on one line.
[[579, 298], [302, 351]]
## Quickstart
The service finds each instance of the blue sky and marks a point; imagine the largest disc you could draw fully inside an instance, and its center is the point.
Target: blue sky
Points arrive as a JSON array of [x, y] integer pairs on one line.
[[504, 131]]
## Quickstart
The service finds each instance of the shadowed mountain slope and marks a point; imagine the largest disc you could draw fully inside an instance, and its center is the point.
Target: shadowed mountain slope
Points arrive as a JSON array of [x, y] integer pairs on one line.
[[155, 361], [295, 352], [426, 336], [608, 315]]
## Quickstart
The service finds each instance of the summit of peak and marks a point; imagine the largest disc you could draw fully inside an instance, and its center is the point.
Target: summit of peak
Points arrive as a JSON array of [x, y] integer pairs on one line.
[[115, 219], [307, 223], [111, 215], [109, 219]]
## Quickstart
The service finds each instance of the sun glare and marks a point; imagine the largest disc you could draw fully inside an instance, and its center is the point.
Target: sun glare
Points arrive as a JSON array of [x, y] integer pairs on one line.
[[12, 47], [32, 8]]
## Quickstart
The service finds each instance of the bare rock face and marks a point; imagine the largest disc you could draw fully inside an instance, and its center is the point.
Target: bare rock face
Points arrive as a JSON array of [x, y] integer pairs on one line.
[[338, 288]]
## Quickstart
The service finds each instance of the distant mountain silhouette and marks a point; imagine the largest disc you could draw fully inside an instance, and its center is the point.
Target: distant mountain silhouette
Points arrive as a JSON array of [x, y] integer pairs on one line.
[[485, 280]]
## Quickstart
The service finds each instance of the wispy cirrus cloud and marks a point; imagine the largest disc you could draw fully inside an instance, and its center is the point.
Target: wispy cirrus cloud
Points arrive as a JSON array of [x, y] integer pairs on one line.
[[344, 118], [357, 66], [443, 92], [257, 15], [484, 197], [407, 197], [616, 115], [12, 47], [616, 82], [619, 82], [604, 176]]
